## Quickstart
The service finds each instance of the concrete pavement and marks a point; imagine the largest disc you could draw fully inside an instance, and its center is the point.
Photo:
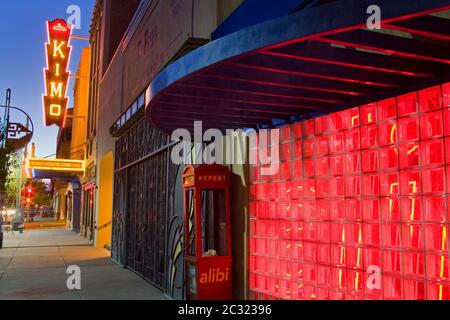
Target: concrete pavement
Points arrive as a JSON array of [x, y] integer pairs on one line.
[[33, 266]]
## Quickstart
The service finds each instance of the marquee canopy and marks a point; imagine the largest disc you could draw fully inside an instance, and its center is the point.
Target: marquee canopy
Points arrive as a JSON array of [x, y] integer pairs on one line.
[[55, 168], [315, 61]]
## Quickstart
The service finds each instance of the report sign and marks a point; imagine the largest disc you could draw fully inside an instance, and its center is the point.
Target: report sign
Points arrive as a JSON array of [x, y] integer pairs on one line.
[[56, 75]]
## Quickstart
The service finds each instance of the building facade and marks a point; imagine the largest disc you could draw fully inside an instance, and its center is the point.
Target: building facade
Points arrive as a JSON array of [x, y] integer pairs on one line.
[[78, 143], [60, 187], [358, 207], [71, 145], [109, 22], [362, 180]]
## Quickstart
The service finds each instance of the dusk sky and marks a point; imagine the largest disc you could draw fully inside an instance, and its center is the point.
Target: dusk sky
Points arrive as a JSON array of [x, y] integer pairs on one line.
[[22, 57]]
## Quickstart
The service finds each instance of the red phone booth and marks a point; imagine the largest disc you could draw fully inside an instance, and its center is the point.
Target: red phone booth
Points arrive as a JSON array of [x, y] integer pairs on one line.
[[207, 232]]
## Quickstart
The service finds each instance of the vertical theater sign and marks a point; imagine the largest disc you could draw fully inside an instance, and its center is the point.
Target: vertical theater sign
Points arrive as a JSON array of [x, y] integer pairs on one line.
[[57, 75]]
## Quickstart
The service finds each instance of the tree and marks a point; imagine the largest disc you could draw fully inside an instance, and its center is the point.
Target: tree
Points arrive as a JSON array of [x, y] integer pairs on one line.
[[12, 181], [37, 192], [5, 166]]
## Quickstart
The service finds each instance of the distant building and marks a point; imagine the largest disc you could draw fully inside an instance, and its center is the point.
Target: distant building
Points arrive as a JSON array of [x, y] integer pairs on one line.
[[71, 144], [63, 151], [79, 131]]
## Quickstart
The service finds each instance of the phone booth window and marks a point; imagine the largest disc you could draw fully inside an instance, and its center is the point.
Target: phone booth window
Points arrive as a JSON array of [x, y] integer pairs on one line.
[[214, 219]]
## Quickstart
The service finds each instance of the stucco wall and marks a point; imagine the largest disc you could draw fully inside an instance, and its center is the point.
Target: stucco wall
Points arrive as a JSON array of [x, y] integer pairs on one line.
[[225, 8], [80, 107], [164, 29]]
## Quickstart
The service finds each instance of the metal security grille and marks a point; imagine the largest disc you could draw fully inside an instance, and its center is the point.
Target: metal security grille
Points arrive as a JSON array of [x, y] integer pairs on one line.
[[140, 202]]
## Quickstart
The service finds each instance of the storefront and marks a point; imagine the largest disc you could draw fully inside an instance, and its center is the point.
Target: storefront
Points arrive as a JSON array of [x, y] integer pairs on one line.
[[73, 205], [65, 175], [88, 211], [358, 209]]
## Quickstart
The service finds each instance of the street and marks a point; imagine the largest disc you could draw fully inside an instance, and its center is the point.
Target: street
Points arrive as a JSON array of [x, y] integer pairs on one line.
[[33, 266]]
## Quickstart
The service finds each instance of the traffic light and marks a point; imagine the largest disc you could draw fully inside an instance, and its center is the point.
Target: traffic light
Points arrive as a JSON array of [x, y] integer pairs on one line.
[[27, 194]]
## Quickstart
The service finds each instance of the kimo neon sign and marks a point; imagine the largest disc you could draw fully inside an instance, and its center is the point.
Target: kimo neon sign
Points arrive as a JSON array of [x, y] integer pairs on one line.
[[57, 75]]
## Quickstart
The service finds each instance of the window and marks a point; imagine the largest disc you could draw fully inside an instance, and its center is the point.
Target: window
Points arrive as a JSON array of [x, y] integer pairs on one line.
[[141, 101], [214, 223], [134, 108], [129, 114]]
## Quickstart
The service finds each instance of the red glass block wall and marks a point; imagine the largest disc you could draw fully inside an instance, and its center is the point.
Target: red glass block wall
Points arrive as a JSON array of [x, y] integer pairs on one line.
[[359, 193]]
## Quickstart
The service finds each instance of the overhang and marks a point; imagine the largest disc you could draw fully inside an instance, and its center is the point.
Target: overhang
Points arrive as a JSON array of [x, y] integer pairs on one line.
[[315, 61], [54, 175]]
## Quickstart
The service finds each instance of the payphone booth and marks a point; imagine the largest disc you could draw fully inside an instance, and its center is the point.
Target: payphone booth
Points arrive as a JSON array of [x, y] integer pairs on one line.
[[207, 232]]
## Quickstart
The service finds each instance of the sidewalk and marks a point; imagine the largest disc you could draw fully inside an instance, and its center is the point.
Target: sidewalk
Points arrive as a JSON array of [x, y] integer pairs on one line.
[[33, 267]]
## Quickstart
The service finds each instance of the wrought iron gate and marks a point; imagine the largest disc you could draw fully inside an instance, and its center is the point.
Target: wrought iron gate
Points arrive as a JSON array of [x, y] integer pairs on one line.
[[140, 202]]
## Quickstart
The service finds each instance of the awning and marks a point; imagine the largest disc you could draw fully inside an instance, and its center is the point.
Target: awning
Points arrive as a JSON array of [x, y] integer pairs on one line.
[[315, 61], [54, 175]]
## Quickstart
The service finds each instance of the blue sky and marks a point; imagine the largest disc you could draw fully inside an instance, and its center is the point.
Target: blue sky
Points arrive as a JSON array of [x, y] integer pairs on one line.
[[22, 57]]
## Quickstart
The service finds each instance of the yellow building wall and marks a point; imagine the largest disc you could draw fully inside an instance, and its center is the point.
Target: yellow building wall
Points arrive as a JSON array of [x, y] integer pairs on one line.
[[105, 203], [60, 200], [80, 107]]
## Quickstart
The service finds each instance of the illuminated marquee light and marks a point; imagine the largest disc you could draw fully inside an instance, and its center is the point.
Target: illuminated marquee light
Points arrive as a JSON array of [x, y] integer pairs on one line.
[[56, 75], [60, 165], [55, 110]]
